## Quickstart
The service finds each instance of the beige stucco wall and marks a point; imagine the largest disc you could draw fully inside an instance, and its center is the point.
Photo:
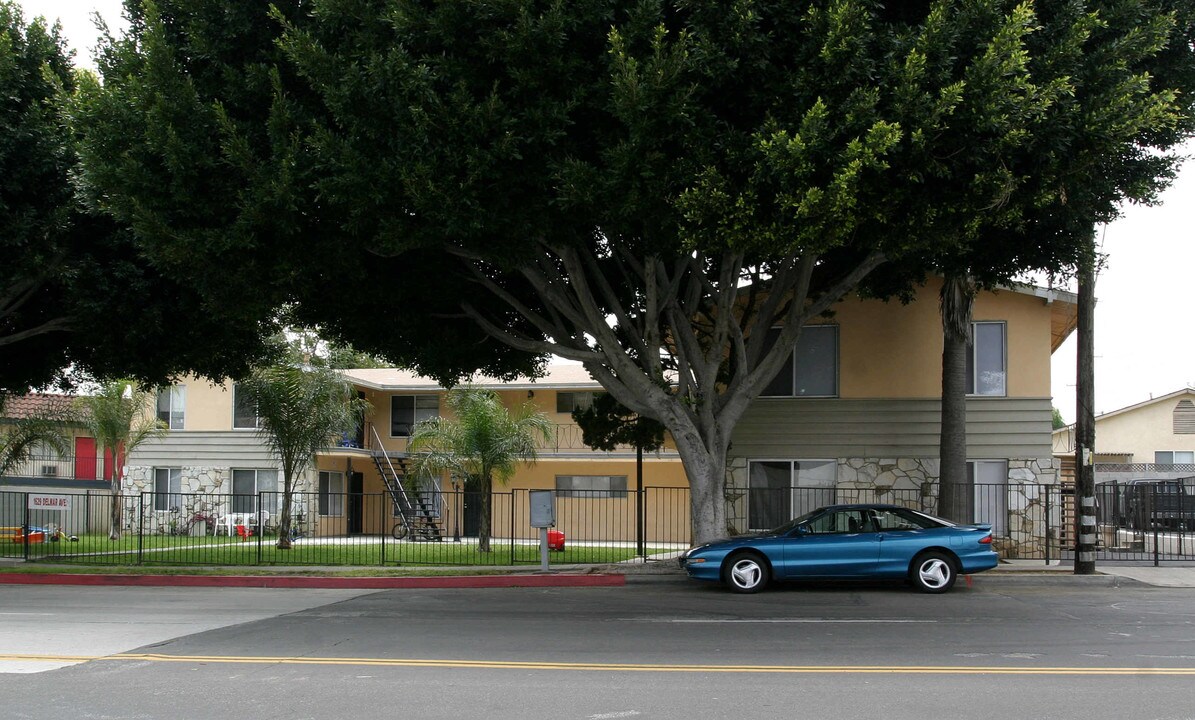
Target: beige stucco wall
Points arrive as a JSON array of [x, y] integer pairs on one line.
[[208, 406], [1143, 431], [890, 350]]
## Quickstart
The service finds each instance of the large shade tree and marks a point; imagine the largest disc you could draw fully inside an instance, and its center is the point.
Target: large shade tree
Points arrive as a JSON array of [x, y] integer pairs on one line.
[[482, 441], [75, 290], [645, 188]]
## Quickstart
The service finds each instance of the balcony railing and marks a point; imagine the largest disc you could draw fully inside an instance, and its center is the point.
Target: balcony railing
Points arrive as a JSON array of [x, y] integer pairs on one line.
[[62, 467]]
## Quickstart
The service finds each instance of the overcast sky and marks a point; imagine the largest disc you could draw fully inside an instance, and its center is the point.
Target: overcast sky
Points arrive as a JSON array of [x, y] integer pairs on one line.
[[1145, 337]]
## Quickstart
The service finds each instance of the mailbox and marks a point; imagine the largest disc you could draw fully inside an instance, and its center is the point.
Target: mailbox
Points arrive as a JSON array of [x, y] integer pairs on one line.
[[543, 508]]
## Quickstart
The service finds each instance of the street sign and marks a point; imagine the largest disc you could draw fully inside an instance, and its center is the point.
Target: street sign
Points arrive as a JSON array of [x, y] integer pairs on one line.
[[40, 501]]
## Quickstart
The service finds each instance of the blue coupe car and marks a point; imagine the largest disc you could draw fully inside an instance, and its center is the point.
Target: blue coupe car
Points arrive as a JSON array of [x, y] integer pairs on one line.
[[848, 541]]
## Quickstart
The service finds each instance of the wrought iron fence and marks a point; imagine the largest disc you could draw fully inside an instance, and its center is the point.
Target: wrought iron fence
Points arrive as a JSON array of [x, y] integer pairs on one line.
[[338, 528], [1136, 523]]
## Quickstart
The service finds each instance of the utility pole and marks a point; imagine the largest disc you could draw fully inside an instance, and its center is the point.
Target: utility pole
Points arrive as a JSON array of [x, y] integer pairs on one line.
[[1085, 521]]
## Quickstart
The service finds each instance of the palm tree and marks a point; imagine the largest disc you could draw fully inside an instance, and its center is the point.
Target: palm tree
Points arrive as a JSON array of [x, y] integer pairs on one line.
[[483, 442], [120, 420], [957, 299], [301, 409], [23, 435]]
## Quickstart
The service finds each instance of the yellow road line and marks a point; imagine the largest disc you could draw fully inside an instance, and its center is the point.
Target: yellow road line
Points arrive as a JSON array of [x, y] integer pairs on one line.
[[609, 667]]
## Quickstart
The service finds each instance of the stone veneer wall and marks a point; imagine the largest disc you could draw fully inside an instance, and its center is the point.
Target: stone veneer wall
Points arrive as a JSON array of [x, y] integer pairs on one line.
[[205, 488], [1032, 521]]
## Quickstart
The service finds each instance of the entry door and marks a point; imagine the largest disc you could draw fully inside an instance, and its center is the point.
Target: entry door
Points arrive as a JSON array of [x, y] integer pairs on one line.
[[85, 459], [356, 504]]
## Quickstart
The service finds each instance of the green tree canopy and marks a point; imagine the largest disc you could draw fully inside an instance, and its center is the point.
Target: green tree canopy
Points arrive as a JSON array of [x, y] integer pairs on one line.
[[74, 286], [641, 187]]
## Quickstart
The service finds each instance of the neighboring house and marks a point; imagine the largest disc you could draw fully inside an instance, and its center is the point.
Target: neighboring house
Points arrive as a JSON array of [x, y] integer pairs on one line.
[[856, 416], [82, 469], [82, 472], [1154, 438]]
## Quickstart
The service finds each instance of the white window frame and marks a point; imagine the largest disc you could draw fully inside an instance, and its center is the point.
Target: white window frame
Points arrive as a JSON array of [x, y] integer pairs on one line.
[[791, 364], [234, 496], [973, 360], [575, 400], [1188, 457], [172, 497], [331, 501], [420, 399], [598, 487], [256, 418], [176, 406], [797, 500]]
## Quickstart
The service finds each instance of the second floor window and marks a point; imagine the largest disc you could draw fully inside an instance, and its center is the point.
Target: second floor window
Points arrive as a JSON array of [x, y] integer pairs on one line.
[[566, 402], [244, 410], [406, 411], [986, 366], [171, 405], [812, 369]]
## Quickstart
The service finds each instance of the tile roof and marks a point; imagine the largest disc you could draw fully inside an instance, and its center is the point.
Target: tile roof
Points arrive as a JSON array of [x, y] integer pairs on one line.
[[19, 407]]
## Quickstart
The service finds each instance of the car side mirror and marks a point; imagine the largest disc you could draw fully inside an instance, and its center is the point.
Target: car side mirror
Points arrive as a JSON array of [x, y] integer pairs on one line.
[[801, 530]]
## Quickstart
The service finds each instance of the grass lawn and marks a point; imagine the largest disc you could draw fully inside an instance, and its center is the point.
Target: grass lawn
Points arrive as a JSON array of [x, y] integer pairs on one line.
[[358, 550]]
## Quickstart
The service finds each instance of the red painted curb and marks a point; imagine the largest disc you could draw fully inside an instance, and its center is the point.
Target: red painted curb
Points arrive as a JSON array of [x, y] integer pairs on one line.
[[290, 581]]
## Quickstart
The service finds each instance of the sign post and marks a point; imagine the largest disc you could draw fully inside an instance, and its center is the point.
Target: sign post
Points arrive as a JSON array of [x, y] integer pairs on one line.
[[543, 516]]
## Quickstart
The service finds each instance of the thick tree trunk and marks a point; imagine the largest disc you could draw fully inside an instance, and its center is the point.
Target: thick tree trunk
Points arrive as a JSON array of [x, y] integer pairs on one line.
[[706, 471], [955, 501]]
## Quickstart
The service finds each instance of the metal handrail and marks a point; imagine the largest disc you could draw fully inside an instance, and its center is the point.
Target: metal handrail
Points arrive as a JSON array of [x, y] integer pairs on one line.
[[393, 472]]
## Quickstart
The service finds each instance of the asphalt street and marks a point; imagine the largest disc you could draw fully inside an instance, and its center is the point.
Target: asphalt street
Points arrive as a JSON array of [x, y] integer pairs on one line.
[[1049, 649]]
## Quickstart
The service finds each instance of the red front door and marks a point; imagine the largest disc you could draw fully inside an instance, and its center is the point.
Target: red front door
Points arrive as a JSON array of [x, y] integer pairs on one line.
[[85, 459]]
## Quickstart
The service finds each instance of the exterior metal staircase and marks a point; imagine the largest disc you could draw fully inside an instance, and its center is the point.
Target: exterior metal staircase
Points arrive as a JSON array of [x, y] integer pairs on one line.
[[414, 513]]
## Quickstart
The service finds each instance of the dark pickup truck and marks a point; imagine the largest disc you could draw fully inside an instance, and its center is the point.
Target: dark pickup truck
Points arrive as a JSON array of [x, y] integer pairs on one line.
[[1161, 502]]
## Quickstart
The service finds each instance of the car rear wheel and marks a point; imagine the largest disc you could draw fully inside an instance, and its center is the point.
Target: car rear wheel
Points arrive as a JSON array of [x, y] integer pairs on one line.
[[933, 572], [746, 573]]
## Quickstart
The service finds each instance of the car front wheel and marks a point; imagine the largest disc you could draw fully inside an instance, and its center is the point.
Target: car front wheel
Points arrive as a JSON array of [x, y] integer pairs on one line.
[[746, 573], [933, 572]]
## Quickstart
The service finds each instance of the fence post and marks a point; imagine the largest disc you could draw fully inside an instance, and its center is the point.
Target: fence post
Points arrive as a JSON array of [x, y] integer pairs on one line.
[[1049, 493], [25, 530], [382, 527], [512, 526], [1151, 518], [140, 524], [260, 530]]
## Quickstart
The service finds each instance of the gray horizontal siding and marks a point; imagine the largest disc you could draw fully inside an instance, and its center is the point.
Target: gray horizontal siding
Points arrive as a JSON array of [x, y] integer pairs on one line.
[[838, 428], [207, 449]]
